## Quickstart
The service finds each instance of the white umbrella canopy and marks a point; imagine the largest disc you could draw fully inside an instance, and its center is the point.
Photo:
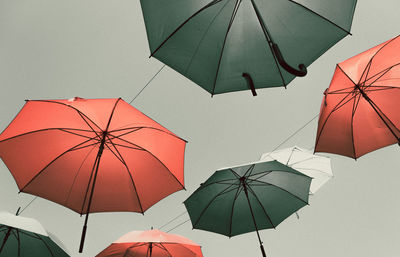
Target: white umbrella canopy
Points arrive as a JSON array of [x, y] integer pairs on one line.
[[23, 237], [305, 161]]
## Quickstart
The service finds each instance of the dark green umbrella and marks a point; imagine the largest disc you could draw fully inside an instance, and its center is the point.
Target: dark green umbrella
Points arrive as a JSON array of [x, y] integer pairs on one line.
[[25, 237], [233, 45], [248, 198]]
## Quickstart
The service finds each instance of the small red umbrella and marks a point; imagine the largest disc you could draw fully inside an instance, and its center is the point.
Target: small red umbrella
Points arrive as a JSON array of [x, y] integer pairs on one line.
[[92, 155], [360, 111], [152, 243]]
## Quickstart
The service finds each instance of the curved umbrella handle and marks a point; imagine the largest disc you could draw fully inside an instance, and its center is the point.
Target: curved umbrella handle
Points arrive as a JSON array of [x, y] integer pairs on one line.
[[302, 68]]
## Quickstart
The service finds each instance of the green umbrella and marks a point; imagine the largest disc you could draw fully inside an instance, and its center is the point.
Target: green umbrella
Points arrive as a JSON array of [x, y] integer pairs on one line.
[[248, 198], [233, 45], [25, 237]]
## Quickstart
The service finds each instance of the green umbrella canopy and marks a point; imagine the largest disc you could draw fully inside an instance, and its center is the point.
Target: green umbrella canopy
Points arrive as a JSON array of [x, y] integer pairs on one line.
[[25, 237], [248, 198], [275, 191], [233, 45]]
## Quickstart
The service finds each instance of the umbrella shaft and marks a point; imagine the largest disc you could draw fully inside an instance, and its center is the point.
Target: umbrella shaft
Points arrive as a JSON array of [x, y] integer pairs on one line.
[[96, 164], [251, 211]]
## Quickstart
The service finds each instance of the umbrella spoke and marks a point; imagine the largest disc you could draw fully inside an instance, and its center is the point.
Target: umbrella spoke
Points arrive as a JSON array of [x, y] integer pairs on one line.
[[223, 44], [213, 2], [210, 202], [155, 157], [331, 22], [59, 156], [262, 206], [239, 190], [77, 173], [161, 246]]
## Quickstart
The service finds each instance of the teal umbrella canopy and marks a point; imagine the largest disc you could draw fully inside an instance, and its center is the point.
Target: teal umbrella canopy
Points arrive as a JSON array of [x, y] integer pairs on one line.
[[248, 198], [234, 45], [25, 237]]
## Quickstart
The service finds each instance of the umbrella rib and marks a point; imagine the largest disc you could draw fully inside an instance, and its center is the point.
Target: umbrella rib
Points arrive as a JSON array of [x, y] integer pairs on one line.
[[249, 170], [329, 115], [233, 205], [353, 112], [373, 56], [200, 41], [210, 202], [380, 113], [308, 9], [19, 243], [42, 130], [166, 132], [112, 113], [182, 24], [223, 44], [280, 188], [59, 156], [131, 247], [48, 247], [130, 176], [76, 175], [269, 39], [381, 75], [79, 112], [262, 206], [126, 141], [130, 147], [161, 246]]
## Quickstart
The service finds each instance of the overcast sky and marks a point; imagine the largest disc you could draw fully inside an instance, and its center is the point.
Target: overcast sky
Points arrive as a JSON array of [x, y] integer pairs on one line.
[[98, 49]]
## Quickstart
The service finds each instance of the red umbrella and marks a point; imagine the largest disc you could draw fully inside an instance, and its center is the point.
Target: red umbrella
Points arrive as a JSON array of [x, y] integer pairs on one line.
[[152, 243], [92, 155], [360, 111]]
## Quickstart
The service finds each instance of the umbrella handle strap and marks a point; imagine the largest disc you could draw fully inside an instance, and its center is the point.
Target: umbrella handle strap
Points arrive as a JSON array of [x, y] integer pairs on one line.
[[301, 72], [263, 251]]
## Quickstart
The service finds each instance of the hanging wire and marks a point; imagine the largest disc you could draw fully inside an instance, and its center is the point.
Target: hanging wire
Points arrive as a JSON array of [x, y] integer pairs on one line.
[[173, 219], [147, 84], [295, 133], [28, 204], [180, 224]]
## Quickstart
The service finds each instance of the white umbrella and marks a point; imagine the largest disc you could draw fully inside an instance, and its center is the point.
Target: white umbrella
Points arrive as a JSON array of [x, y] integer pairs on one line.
[[315, 166], [23, 237]]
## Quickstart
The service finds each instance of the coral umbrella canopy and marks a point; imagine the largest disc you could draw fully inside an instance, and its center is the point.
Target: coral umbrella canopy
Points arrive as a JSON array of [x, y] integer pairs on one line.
[[360, 109], [233, 45], [26, 237], [92, 155], [152, 243]]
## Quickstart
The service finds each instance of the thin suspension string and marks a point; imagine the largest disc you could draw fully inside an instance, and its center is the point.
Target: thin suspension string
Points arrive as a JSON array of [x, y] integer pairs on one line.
[[283, 142], [147, 83], [129, 103], [28, 204]]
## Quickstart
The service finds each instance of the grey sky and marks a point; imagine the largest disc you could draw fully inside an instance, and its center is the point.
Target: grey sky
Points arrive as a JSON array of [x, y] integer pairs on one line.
[[98, 49]]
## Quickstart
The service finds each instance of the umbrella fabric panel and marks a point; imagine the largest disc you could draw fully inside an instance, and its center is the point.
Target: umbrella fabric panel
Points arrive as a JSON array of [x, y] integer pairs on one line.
[[302, 34], [372, 66], [315, 166], [196, 48], [340, 12], [246, 50], [26, 244], [143, 250], [36, 152], [210, 207], [121, 184], [335, 119]]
